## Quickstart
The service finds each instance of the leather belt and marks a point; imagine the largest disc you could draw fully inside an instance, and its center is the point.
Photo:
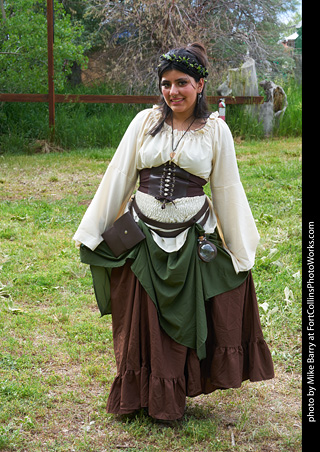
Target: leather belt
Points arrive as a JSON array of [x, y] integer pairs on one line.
[[178, 227]]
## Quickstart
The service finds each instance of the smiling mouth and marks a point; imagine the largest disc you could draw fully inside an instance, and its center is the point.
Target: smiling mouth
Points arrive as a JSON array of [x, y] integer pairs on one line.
[[176, 101]]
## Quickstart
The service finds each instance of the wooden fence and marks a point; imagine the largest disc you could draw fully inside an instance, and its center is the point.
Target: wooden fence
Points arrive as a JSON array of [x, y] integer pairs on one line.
[[115, 99]]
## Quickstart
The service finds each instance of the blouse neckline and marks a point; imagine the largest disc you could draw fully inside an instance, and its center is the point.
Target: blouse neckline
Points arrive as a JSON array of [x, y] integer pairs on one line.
[[205, 128]]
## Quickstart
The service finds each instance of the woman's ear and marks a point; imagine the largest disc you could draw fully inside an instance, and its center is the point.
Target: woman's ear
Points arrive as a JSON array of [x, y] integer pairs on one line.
[[200, 85]]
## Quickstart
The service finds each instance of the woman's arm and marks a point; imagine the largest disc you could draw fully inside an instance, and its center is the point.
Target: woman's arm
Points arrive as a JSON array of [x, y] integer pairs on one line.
[[230, 201], [115, 188]]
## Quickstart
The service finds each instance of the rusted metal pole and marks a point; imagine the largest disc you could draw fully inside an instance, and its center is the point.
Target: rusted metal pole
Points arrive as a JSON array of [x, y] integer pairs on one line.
[[50, 66]]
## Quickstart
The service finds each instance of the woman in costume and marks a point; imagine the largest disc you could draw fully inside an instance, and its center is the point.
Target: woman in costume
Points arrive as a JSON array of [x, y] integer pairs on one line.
[[184, 311]]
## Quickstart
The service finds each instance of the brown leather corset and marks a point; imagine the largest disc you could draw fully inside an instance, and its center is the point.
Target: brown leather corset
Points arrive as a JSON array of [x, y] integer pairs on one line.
[[169, 182]]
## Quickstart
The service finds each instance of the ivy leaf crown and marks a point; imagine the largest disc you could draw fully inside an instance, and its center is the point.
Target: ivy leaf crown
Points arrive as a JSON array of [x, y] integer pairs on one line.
[[193, 65]]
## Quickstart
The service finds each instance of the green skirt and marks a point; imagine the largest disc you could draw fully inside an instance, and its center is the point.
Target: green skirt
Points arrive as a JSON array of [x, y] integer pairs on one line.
[[178, 283]]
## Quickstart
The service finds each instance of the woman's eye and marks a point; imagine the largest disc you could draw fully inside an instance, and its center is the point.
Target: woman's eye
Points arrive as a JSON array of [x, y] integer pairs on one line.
[[167, 85]]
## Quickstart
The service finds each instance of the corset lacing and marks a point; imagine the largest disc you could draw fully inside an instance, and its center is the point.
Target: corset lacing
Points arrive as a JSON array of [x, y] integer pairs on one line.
[[169, 182]]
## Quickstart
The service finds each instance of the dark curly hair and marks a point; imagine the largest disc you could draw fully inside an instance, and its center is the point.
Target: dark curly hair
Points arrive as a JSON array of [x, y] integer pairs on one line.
[[197, 55]]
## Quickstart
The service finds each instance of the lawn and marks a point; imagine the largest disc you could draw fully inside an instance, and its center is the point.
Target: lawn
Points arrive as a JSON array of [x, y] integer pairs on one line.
[[56, 353]]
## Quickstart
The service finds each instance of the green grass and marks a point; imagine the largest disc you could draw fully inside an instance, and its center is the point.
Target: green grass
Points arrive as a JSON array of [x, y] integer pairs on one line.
[[56, 353]]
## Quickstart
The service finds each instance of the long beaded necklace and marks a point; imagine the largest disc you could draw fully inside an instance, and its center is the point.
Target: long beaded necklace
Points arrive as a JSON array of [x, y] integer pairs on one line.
[[174, 148]]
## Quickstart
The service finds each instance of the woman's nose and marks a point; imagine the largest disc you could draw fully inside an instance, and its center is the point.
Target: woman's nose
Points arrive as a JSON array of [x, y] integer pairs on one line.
[[174, 89]]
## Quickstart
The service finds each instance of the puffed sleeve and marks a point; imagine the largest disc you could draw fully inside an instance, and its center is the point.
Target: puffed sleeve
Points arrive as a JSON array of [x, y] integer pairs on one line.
[[115, 188], [230, 201]]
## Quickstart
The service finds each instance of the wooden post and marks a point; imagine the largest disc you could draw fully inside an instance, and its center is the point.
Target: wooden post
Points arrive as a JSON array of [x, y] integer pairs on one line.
[[50, 32]]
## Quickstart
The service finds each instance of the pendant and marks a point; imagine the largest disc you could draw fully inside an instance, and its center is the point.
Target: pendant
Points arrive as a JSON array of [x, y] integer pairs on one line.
[[172, 155], [207, 251]]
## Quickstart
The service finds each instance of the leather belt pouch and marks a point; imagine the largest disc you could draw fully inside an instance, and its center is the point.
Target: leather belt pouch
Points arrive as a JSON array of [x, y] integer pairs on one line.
[[123, 235]]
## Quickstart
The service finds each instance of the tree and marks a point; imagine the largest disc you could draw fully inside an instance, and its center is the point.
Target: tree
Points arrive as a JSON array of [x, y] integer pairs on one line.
[[136, 32], [77, 10], [23, 46]]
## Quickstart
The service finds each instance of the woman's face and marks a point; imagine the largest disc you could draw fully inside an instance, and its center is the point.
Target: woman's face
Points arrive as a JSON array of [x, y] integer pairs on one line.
[[180, 92]]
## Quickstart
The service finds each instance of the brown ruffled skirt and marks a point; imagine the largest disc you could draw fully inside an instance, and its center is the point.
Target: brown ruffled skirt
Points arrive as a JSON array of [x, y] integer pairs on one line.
[[157, 373]]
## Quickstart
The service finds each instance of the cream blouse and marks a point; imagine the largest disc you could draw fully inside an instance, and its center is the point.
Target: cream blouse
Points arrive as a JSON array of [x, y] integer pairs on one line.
[[207, 152]]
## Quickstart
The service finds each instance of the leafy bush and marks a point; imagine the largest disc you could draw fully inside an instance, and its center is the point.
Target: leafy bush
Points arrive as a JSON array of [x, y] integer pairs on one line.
[[23, 46]]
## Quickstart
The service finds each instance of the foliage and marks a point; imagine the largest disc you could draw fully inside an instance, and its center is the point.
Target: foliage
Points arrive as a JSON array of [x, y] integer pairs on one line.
[[23, 46], [136, 33], [132, 34], [77, 10], [292, 118]]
